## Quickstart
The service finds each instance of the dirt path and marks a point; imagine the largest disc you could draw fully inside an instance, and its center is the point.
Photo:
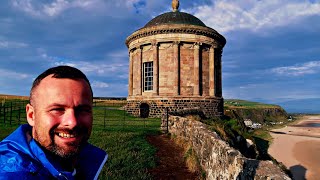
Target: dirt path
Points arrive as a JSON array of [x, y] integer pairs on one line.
[[170, 160]]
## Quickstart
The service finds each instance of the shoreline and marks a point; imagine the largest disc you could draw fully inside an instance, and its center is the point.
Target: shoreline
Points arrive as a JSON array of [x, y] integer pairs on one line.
[[297, 147]]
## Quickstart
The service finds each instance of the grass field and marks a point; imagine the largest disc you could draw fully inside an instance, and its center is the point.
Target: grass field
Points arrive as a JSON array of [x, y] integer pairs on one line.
[[236, 103], [124, 139]]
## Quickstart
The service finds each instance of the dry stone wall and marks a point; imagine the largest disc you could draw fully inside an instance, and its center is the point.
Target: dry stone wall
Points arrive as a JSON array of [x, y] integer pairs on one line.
[[217, 158], [211, 107]]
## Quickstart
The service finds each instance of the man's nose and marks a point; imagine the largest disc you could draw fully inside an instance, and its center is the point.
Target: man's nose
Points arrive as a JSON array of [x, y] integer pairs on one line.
[[70, 119]]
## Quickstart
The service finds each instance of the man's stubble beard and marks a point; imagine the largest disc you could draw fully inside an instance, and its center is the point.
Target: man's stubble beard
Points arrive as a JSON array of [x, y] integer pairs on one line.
[[53, 148]]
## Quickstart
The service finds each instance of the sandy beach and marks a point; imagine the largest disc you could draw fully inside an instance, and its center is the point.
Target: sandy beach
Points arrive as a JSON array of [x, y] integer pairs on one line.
[[298, 147]]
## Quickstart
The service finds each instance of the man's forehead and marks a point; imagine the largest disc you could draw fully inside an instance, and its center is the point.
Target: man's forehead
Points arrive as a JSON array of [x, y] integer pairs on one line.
[[61, 84]]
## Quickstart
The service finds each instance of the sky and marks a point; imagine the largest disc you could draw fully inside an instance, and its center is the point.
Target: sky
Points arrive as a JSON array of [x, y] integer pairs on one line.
[[272, 53]]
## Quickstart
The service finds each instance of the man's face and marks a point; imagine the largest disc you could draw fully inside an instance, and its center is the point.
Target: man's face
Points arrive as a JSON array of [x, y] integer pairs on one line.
[[61, 115]]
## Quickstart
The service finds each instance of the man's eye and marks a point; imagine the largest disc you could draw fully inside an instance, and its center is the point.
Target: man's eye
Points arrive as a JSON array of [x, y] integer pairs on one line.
[[57, 110]]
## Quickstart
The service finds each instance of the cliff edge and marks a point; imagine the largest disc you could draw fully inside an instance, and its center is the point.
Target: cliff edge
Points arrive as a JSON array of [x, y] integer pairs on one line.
[[256, 112]]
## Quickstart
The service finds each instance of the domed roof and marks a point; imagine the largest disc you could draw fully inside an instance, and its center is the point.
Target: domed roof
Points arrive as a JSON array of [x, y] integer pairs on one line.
[[175, 18]]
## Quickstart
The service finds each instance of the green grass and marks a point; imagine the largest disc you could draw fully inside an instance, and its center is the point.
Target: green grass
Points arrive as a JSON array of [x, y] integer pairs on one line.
[[248, 104], [226, 129], [130, 155], [124, 138]]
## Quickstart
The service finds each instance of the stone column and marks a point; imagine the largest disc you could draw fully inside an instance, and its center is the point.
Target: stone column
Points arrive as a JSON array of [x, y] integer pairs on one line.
[[196, 73], [217, 72], [219, 77], [130, 73], [211, 72], [176, 58], [140, 70], [155, 68]]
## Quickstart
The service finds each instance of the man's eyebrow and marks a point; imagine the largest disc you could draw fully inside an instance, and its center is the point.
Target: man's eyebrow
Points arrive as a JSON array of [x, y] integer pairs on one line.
[[55, 104], [63, 105]]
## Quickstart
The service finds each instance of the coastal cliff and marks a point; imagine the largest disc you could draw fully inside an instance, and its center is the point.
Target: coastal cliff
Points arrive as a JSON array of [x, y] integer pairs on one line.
[[256, 112]]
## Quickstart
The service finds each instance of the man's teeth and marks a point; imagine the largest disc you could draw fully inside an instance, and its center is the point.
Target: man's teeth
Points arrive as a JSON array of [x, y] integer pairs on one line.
[[64, 135]]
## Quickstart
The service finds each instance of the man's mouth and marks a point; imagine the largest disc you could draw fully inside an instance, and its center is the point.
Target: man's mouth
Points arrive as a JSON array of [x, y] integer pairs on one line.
[[66, 135]]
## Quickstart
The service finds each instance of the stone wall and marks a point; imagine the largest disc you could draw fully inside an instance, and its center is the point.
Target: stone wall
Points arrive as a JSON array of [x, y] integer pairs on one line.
[[217, 158], [211, 107]]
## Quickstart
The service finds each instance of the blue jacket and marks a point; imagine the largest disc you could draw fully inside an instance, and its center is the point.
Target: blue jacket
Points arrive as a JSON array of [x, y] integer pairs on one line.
[[22, 158]]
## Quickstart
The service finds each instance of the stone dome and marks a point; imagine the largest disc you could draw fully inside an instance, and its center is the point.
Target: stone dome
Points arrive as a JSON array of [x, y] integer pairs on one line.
[[175, 18]]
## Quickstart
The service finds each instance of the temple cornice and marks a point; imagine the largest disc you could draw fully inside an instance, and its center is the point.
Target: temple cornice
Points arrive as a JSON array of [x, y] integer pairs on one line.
[[177, 29]]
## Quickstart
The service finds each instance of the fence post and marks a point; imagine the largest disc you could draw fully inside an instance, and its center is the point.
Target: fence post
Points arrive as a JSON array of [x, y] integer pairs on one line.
[[10, 113], [19, 115], [104, 117], [4, 114]]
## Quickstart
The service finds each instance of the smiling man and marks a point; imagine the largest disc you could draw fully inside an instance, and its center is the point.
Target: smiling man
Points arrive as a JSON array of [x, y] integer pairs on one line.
[[54, 142]]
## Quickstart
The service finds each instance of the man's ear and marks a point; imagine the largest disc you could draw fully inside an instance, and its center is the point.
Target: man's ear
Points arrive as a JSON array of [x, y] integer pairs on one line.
[[30, 114]]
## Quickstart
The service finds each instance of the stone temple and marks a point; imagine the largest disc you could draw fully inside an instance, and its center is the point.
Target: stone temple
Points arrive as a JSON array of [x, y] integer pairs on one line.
[[175, 64]]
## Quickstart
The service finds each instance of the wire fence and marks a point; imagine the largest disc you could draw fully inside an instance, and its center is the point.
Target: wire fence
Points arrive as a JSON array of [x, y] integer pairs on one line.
[[13, 112], [118, 119], [105, 115]]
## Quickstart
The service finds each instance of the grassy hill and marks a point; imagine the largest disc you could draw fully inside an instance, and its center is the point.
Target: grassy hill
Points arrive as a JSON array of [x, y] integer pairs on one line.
[[255, 111], [237, 103]]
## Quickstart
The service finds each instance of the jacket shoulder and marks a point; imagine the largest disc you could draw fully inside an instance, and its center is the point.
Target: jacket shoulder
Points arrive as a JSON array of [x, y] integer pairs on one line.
[[13, 160], [15, 164], [16, 157]]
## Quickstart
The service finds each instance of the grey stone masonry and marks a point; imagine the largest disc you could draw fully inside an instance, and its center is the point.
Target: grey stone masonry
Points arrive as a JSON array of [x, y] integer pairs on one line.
[[211, 107], [217, 158]]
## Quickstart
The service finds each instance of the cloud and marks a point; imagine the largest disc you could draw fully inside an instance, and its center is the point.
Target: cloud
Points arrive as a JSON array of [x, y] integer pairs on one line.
[[137, 4], [65, 64], [119, 53], [13, 75], [55, 8], [312, 67], [11, 44], [229, 15], [45, 9], [98, 68], [113, 90], [230, 64], [98, 84]]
